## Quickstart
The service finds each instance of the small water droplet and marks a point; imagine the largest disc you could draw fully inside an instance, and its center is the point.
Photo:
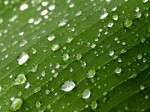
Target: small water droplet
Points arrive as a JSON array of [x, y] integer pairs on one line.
[[44, 12], [142, 87], [16, 104], [127, 23], [110, 24], [21, 79], [144, 1], [78, 13], [79, 56], [68, 86], [139, 56], [118, 70], [65, 57], [111, 53], [55, 47], [93, 105], [23, 57], [91, 73], [51, 37], [115, 17], [62, 23], [86, 94], [23, 7], [103, 14], [51, 7]]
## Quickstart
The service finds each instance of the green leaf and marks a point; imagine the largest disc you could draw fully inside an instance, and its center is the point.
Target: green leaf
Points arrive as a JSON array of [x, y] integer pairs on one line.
[[74, 56]]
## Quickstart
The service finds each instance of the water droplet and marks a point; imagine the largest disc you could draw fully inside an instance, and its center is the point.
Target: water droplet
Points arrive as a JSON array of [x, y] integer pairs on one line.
[[110, 24], [111, 53], [78, 13], [34, 69], [51, 7], [91, 73], [23, 57], [139, 56], [44, 12], [86, 94], [68, 86], [69, 39], [55, 47], [23, 43], [123, 51], [115, 17], [51, 37], [38, 104], [127, 23], [21, 79], [103, 14], [93, 105], [1, 20], [16, 104], [138, 15], [23, 7], [79, 56], [62, 23], [142, 87], [144, 1], [137, 9], [118, 70], [65, 57]]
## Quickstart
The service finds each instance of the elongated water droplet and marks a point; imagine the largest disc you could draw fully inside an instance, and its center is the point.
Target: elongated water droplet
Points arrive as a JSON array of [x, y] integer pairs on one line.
[[23, 57], [16, 104], [91, 73], [115, 17], [86, 94], [62, 23], [21, 79], [68, 86]]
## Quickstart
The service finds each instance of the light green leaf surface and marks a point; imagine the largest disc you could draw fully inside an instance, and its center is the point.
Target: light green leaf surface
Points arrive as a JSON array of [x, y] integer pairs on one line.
[[97, 45]]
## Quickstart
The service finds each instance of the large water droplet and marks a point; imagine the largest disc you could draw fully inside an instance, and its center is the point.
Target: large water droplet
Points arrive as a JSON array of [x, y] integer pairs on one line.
[[21, 79], [91, 73], [68, 86], [23, 57], [16, 104], [86, 94]]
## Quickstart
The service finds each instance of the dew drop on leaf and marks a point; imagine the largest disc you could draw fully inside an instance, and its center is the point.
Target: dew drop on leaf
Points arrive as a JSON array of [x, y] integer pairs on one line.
[[142, 87], [103, 14], [79, 56], [111, 53], [68, 86], [55, 47], [24, 7], [93, 105], [62, 23], [139, 56], [86, 94], [23, 57], [127, 23], [91, 73], [65, 57], [20, 79], [16, 104], [118, 70], [51, 7], [51, 37], [115, 17]]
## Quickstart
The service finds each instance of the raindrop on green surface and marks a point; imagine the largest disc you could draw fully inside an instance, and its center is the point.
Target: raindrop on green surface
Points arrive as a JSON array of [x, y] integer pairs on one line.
[[65, 57], [68, 86], [51, 37], [21, 79], [23, 57], [16, 104], [93, 105], [86, 94], [118, 70], [55, 47], [91, 73], [127, 23]]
